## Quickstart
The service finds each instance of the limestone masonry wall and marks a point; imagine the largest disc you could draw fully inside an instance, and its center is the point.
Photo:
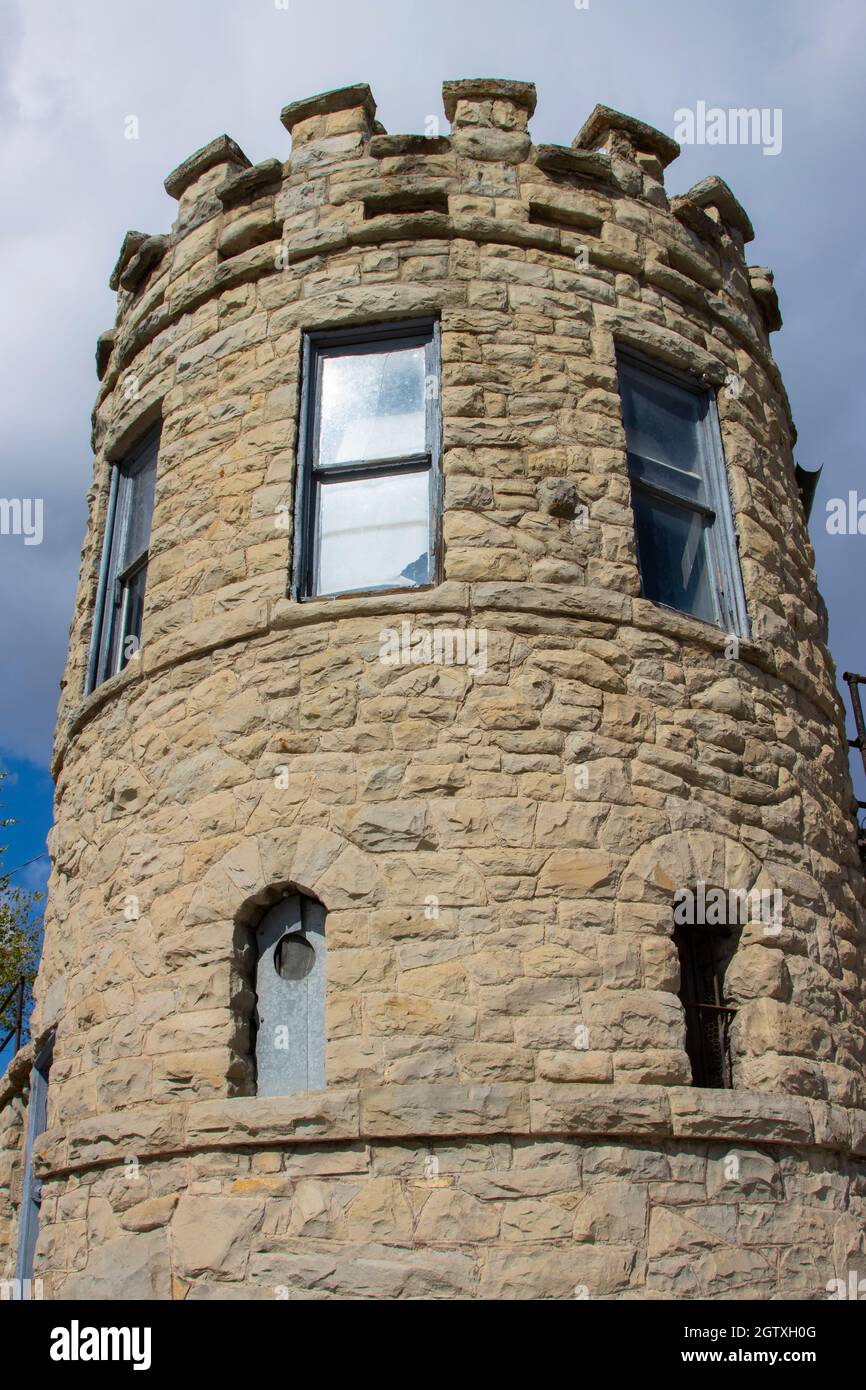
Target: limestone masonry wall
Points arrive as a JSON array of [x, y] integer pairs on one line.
[[464, 1146]]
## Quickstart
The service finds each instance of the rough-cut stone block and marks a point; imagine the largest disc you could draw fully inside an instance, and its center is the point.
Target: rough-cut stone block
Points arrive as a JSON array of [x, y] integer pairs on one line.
[[597, 1110], [128, 1268], [740, 1115], [313, 1115], [125, 1133], [448, 1110]]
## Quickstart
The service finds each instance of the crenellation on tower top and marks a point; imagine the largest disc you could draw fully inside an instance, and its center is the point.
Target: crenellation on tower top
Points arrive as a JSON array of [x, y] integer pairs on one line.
[[766, 297], [139, 266], [489, 117], [250, 183], [612, 130], [342, 111], [104, 349], [132, 242], [495, 102], [712, 192], [222, 153], [345, 186]]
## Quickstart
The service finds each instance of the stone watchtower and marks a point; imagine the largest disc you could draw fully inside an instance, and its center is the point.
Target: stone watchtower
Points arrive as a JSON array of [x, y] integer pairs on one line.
[[455, 891]]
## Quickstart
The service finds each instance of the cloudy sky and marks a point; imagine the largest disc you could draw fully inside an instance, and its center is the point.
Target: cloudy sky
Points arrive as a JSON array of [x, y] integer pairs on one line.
[[72, 73]]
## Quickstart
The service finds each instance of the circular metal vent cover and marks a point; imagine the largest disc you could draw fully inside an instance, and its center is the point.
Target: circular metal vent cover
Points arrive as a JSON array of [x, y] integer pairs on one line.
[[294, 956]]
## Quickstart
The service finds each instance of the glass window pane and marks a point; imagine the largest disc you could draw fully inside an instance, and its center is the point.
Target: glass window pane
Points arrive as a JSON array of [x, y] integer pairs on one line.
[[111, 618], [141, 486], [133, 613], [663, 429], [110, 634], [373, 531], [690, 486], [372, 406], [672, 546], [128, 541]]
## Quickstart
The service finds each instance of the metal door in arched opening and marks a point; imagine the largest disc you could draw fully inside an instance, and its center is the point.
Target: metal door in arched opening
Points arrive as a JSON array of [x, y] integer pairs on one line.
[[290, 998]]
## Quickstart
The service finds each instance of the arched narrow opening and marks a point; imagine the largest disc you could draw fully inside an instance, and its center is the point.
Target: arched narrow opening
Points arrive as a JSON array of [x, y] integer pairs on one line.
[[283, 962], [705, 951]]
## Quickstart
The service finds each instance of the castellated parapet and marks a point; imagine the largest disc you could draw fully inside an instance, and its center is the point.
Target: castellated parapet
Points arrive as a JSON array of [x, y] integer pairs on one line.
[[509, 1107]]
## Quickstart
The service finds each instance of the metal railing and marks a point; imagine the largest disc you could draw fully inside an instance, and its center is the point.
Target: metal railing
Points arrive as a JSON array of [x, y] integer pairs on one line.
[[708, 1043], [17, 1029], [853, 683]]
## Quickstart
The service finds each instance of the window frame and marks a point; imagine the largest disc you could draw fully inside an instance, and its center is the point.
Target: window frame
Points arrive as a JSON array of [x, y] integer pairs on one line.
[[105, 658], [317, 344], [31, 1191], [716, 514]]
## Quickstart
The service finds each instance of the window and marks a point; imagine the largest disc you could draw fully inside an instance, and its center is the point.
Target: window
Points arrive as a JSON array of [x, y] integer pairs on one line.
[[289, 1020], [120, 597], [679, 487], [31, 1195], [369, 478], [704, 953]]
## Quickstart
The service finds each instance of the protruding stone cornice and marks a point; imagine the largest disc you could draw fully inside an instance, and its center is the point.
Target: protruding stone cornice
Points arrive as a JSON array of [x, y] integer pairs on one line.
[[484, 89], [148, 255], [104, 348], [222, 150], [713, 192], [604, 120], [452, 1111], [131, 244], [766, 298], [327, 103]]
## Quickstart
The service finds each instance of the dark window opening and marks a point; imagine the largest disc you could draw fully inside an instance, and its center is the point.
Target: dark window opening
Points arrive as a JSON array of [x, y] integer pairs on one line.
[[704, 954], [406, 201], [544, 213]]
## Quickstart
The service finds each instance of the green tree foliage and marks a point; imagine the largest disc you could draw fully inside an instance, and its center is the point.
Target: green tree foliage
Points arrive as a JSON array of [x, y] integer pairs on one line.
[[20, 931]]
